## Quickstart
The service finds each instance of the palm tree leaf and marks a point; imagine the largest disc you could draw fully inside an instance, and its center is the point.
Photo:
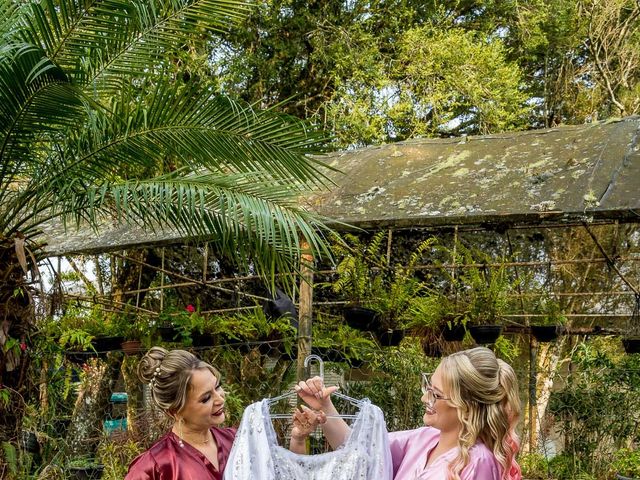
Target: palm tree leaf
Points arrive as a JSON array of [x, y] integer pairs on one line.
[[122, 38], [201, 130]]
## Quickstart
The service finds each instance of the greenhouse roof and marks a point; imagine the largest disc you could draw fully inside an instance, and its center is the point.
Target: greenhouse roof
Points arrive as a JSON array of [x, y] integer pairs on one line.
[[568, 174]]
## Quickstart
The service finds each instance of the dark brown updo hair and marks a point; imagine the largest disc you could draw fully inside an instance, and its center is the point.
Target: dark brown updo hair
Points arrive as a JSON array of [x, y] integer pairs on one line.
[[168, 374]]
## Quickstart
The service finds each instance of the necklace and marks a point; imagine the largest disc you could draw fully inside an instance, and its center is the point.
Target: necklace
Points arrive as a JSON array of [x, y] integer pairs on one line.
[[181, 436], [202, 442]]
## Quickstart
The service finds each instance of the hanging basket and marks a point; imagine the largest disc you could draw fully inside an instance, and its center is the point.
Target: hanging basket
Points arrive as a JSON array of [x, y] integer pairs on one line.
[[631, 344], [485, 334], [544, 333], [360, 318], [168, 333], [202, 340], [107, 344], [391, 337], [455, 333]]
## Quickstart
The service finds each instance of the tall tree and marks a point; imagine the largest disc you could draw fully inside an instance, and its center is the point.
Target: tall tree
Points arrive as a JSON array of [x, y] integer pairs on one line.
[[96, 128], [361, 67]]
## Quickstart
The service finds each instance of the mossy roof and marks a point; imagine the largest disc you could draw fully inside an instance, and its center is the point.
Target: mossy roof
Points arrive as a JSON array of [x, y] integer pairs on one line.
[[565, 174]]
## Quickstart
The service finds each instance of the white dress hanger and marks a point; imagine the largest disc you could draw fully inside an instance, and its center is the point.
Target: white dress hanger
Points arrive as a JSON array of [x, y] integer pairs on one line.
[[307, 360]]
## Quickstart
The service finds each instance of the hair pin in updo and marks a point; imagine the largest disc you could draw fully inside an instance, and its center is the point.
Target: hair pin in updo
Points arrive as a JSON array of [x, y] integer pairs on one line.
[[153, 379]]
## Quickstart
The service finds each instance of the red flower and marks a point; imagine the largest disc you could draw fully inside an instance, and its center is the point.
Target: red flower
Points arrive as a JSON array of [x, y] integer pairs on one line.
[[191, 308], [23, 346]]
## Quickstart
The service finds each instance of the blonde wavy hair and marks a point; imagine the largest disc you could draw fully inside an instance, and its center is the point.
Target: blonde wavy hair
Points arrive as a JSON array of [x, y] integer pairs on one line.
[[168, 373], [484, 389]]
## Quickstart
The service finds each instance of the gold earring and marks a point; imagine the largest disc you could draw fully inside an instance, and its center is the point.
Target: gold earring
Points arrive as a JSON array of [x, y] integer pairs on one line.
[[180, 434]]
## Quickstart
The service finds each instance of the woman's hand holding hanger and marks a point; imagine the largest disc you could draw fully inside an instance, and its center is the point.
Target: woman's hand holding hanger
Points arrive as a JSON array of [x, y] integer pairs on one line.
[[316, 395]]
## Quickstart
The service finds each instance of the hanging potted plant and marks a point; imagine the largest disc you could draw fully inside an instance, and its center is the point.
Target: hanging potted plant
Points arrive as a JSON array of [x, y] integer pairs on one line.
[[357, 279], [631, 337], [487, 295], [133, 329], [274, 337], [394, 295], [334, 341], [547, 326]]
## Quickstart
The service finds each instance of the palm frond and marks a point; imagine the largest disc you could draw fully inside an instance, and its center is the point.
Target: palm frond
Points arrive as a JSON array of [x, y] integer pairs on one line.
[[102, 42], [200, 130], [252, 221], [37, 101]]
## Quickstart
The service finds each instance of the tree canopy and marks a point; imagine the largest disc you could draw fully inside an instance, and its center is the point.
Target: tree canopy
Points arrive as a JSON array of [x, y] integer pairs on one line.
[[387, 70]]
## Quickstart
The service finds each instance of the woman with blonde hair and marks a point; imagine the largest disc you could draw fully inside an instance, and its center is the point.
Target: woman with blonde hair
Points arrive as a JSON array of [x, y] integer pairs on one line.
[[189, 391], [472, 407]]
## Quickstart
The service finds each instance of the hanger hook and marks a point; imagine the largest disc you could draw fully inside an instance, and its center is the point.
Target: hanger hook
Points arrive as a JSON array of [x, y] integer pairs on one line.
[[317, 358]]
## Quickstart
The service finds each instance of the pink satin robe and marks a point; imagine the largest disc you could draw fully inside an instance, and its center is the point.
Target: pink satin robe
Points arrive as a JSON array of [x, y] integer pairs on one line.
[[409, 450], [167, 460]]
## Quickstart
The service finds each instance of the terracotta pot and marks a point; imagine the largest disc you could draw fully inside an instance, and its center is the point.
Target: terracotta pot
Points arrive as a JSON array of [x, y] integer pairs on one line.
[[131, 347]]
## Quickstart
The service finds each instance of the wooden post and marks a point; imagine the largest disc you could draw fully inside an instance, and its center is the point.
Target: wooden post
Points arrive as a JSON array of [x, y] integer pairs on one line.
[[533, 400], [162, 283], [305, 309]]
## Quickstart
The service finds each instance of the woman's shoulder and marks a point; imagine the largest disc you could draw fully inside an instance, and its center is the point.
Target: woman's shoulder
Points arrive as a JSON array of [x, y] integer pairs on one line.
[[416, 433], [419, 438], [482, 463], [224, 432]]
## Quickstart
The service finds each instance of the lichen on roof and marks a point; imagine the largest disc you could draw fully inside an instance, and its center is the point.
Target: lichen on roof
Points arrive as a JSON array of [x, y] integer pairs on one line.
[[569, 173]]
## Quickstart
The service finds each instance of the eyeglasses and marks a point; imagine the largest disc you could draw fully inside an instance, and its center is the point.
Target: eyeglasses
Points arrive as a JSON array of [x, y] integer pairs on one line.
[[427, 389]]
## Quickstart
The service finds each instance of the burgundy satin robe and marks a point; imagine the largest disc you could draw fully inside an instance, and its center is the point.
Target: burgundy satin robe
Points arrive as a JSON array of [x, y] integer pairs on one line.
[[167, 460]]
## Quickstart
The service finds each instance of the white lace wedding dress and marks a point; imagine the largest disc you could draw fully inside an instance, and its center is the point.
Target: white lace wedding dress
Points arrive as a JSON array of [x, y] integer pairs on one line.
[[255, 455]]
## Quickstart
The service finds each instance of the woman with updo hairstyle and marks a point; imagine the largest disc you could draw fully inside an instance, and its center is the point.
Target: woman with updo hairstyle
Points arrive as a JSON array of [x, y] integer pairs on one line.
[[189, 391], [472, 407]]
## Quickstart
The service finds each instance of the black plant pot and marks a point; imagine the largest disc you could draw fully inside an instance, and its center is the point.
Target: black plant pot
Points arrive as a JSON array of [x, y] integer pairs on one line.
[[360, 318], [631, 345], [202, 340], [390, 338], [107, 344], [544, 333], [622, 477], [454, 334], [485, 334], [30, 442], [168, 334], [85, 473]]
